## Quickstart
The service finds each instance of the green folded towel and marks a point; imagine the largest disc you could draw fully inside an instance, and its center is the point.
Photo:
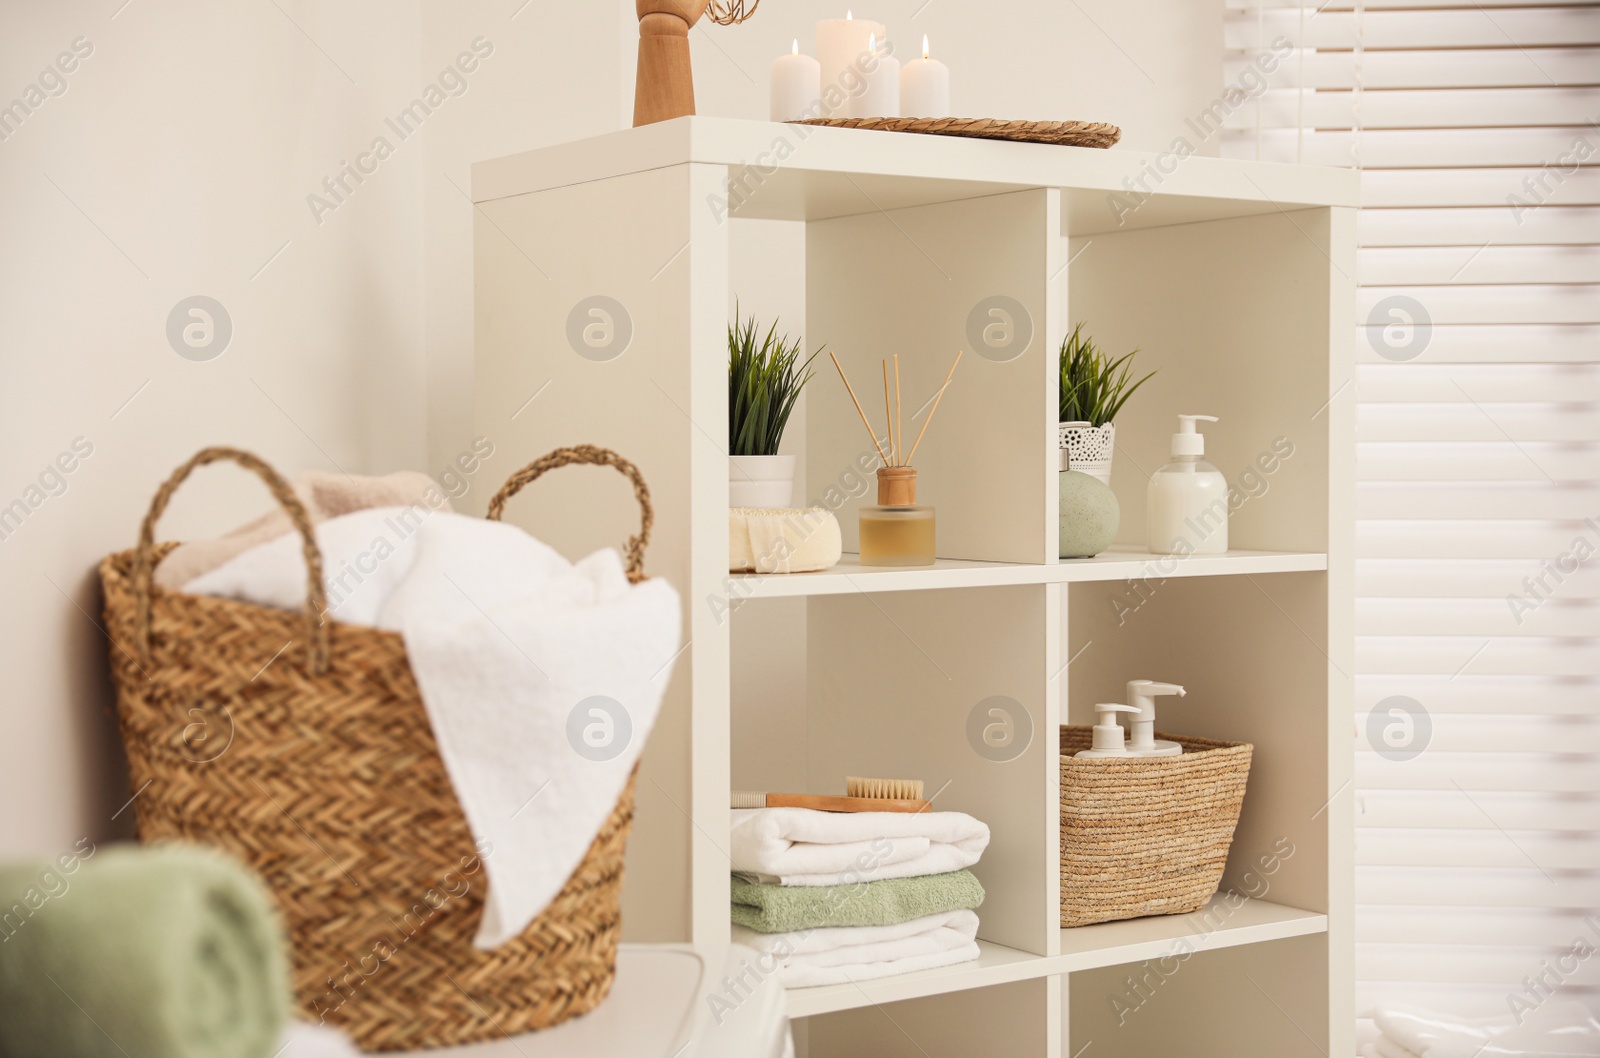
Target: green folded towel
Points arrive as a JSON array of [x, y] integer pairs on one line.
[[784, 908], [167, 951]]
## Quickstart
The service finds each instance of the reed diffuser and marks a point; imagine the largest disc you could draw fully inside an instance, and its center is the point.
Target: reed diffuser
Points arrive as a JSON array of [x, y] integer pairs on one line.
[[897, 531]]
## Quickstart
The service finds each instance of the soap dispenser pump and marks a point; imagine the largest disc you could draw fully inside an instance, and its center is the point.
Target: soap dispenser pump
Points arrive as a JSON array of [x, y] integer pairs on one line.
[[1142, 741], [1108, 740], [1186, 502]]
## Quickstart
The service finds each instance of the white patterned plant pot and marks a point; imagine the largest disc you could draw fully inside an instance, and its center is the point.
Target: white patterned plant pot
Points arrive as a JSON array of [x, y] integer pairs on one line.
[[1088, 448]]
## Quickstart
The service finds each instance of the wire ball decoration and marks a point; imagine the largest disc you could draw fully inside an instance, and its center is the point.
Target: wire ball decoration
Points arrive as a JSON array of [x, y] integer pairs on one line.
[[732, 13]]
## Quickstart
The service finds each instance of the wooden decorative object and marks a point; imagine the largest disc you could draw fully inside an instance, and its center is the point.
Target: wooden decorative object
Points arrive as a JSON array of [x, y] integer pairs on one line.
[[1060, 133], [664, 84]]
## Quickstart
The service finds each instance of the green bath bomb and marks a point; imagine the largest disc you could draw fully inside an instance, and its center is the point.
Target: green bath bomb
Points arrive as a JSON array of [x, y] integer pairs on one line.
[[1089, 515]]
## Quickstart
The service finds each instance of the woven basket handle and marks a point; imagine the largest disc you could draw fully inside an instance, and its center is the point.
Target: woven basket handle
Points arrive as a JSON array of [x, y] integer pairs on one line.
[[144, 568], [601, 457]]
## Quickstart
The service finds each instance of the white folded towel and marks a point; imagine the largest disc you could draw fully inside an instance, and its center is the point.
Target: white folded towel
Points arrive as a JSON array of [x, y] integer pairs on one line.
[[801, 846], [324, 495], [1557, 1029], [542, 678], [841, 954], [1384, 1047]]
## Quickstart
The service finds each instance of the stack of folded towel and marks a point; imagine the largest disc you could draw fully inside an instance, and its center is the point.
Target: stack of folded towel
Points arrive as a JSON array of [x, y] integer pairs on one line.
[[834, 897], [1556, 1029]]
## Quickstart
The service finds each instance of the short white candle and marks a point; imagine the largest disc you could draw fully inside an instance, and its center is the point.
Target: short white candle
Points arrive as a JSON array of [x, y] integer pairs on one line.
[[841, 47], [925, 87], [882, 97], [796, 86]]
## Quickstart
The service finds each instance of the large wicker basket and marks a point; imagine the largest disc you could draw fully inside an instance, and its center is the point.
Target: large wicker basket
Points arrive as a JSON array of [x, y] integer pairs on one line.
[[302, 746], [1146, 835]]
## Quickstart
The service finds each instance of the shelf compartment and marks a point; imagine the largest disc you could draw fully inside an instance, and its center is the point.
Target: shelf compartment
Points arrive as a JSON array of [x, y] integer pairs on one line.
[[1114, 564], [1083, 948]]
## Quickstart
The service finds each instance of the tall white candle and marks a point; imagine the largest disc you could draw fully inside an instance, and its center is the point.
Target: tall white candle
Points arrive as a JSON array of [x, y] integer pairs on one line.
[[925, 87], [796, 86], [882, 96], [841, 47]]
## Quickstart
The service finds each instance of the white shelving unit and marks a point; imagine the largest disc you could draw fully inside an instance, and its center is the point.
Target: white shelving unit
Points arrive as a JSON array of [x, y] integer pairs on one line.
[[1233, 279]]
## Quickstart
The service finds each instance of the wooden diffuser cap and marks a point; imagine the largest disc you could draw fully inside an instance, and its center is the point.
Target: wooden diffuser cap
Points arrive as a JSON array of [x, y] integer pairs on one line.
[[897, 486]]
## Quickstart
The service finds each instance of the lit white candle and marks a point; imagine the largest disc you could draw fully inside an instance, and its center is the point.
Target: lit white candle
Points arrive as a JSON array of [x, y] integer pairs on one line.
[[882, 96], [842, 50], [796, 86], [925, 87]]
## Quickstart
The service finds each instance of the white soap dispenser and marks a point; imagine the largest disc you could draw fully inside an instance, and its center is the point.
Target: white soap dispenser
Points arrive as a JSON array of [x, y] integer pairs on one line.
[[1142, 741], [1187, 500], [1108, 740]]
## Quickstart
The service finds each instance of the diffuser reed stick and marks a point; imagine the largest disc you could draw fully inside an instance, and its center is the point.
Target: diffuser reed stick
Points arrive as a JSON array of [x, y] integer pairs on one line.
[[899, 426], [888, 417], [859, 412], [894, 414], [936, 399]]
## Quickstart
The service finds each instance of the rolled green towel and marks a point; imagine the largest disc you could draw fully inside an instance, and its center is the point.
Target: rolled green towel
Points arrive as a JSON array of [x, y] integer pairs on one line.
[[166, 951], [785, 908]]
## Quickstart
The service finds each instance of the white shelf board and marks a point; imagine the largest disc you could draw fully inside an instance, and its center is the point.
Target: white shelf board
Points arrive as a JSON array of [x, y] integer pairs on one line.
[[648, 1013], [1114, 564], [1083, 948], [810, 173]]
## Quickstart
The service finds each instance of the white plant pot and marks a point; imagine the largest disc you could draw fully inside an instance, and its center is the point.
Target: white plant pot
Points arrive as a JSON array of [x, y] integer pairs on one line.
[[760, 481], [1088, 448]]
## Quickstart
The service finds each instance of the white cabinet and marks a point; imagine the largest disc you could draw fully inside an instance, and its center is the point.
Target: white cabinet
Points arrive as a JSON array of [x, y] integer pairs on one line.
[[605, 277]]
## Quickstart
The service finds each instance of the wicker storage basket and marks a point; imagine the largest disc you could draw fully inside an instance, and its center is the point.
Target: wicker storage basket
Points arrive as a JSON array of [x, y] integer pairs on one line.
[[303, 747], [1146, 835]]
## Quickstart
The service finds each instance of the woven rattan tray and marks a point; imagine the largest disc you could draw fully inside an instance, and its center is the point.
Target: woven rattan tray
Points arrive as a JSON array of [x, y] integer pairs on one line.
[[1061, 133]]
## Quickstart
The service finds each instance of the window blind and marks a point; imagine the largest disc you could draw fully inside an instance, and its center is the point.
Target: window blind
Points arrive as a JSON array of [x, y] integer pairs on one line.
[[1476, 129]]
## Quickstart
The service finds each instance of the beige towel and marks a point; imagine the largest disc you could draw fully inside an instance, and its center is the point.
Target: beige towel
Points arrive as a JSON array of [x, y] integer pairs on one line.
[[782, 539], [325, 496]]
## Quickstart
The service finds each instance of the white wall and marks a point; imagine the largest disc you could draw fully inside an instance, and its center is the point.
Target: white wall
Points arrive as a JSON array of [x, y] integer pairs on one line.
[[178, 161]]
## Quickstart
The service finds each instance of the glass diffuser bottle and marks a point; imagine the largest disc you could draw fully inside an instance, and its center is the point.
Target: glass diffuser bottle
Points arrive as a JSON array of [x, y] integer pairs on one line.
[[898, 531]]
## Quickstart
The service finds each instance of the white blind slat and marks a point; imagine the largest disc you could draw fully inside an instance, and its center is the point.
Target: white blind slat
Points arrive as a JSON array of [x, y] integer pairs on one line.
[[1482, 344], [1433, 265], [1498, 655], [1468, 964], [1420, 108], [1407, 809], [1491, 421], [1470, 692], [1485, 847], [1480, 187], [1477, 460], [1429, 382], [1493, 67], [1565, 616], [1560, 225], [1389, 30], [1443, 148], [1511, 732], [1492, 303], [1444, 579], [1482, 887]]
